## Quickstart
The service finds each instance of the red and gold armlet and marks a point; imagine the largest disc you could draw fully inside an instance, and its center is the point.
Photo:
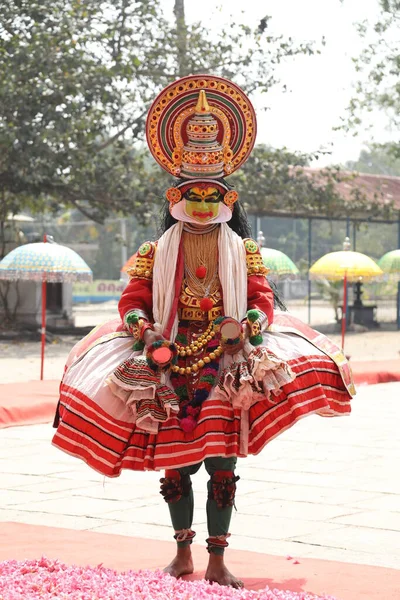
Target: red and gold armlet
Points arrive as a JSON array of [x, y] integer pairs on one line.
[[143, 265], [254, 261]]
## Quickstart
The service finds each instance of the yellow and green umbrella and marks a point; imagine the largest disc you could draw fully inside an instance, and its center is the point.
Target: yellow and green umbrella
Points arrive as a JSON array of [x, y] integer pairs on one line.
[[354, 265], [347, 265], [390, 262], [278, 263], [390, 265]]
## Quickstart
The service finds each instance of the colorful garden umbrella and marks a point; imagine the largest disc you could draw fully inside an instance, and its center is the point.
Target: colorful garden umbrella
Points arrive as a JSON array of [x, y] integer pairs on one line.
[[44, 261], [390, 262], [347, 265], [279, 264], [390, 265]]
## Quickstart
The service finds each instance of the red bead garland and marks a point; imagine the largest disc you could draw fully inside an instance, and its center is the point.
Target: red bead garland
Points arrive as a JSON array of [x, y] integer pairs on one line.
[[206, 304], [201, 272]]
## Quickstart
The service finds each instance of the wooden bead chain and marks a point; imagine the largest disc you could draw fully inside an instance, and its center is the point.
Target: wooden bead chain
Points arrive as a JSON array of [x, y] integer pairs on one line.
[[197, 345], [199, 364]]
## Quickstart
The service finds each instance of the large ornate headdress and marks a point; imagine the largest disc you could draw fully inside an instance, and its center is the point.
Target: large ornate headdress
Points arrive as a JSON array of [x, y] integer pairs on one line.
[[200, 129]]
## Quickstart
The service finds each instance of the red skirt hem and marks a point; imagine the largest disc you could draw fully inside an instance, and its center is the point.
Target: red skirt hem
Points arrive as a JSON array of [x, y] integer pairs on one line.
[[109, 445]]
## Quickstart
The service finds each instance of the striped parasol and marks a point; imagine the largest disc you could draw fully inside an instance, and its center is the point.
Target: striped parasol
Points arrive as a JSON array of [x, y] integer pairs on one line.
[[44, 261], [129, 264], [390, 265]]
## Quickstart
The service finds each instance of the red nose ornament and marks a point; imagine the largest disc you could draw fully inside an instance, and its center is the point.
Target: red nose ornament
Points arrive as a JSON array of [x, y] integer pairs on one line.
[[201, 272], [206, 304]]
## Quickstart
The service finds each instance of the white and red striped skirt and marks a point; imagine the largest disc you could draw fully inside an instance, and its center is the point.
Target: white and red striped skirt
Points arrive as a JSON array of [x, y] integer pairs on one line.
[[97, 427]]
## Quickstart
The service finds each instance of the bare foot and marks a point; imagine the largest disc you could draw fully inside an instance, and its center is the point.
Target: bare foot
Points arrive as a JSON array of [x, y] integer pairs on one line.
[[217, 572], [182, 564]]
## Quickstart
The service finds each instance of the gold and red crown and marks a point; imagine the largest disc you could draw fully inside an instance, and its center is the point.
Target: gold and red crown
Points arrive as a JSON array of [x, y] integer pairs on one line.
[[201, 127]]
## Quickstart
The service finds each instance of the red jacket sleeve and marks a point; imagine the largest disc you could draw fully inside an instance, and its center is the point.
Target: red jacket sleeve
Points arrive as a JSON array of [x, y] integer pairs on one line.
[[259, 293], [137, 296], [260, 296]]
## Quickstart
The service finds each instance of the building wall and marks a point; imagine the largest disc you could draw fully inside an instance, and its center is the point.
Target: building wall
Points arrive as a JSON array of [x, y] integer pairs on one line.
[[26, 298]]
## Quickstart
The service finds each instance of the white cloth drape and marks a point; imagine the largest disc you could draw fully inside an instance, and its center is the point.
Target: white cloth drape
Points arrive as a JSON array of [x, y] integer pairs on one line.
[[232, 271]]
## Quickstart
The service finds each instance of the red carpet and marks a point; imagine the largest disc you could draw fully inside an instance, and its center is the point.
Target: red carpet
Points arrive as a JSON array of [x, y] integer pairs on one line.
[[375, 371], [28, 403], [341, 580], [34, 402]]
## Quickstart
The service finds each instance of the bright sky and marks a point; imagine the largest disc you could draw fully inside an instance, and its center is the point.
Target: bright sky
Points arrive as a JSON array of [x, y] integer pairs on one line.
[[320, 86]]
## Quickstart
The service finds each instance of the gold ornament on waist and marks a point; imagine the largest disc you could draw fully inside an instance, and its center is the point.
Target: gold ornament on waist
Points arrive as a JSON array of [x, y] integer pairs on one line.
[[196, 314]]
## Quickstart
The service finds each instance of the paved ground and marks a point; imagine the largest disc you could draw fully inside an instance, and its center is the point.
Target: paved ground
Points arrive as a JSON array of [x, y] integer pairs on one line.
[[328, 488]]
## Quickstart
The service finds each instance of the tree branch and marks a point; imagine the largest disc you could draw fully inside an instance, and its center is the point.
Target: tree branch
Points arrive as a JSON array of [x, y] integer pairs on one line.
[[135, 130]]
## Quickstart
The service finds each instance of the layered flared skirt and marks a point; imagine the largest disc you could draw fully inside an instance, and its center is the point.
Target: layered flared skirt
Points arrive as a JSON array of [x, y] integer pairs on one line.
[[98, 427]]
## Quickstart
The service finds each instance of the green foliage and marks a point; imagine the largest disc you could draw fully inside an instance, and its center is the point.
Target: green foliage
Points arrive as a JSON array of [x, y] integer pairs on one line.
[[377, 159], [278, 182], [65, 99], [76, 80], [379, 69]]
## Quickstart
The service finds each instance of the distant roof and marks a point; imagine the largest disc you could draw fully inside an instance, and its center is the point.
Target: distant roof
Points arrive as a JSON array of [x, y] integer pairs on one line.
[[385, 189]]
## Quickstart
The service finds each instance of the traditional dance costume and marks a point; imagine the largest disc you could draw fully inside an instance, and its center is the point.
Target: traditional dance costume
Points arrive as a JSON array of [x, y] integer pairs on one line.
[[217, 395]]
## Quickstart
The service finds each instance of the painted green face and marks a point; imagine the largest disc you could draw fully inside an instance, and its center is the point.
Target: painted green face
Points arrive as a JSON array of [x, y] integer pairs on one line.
[[202, 204]]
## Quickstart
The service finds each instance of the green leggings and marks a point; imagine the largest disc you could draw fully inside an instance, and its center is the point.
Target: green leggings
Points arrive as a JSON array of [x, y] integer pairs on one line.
[[218, 519]]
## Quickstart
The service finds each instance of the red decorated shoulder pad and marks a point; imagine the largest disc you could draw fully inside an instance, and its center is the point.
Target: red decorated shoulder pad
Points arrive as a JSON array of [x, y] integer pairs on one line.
[[255, 264], [144, 261]]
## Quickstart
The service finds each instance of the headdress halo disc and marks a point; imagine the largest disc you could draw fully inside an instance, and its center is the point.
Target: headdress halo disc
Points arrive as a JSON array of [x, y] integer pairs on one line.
[[174, 107]]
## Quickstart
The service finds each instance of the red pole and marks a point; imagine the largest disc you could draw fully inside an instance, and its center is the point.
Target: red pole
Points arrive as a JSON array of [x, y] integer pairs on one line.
[[344, 310], [44, 290]]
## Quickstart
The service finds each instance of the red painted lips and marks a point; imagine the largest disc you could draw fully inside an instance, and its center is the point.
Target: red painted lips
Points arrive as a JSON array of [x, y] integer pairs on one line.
[[202, 215]]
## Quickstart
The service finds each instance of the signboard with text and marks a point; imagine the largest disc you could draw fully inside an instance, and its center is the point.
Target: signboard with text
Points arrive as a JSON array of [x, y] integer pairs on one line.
[[100, 290]]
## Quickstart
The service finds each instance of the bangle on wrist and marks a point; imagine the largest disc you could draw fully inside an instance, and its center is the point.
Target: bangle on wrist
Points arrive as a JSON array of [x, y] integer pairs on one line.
[[143, 327], [137, 325]]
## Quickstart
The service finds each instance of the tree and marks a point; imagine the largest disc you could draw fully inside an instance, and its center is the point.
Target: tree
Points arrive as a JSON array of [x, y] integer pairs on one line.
[[379, 70], [278, 182], [76, 80], [376, 159], [64, 101]]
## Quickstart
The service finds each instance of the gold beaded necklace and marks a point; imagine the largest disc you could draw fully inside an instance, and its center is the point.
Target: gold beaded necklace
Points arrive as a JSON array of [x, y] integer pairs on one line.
[[201, 250], [193, 348]]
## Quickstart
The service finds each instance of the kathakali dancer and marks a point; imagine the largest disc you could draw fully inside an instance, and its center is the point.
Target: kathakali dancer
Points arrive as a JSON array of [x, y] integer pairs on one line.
[[199, 368]]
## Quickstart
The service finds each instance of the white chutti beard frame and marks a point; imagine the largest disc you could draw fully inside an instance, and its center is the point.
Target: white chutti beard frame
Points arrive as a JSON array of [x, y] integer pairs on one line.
[[179, 213]]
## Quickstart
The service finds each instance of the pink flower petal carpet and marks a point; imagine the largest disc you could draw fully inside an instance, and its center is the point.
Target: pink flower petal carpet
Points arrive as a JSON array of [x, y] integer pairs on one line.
[[47, 579]]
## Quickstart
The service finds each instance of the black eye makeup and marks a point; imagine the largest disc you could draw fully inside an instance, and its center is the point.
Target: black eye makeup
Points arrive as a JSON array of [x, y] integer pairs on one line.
[[211, 198]]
